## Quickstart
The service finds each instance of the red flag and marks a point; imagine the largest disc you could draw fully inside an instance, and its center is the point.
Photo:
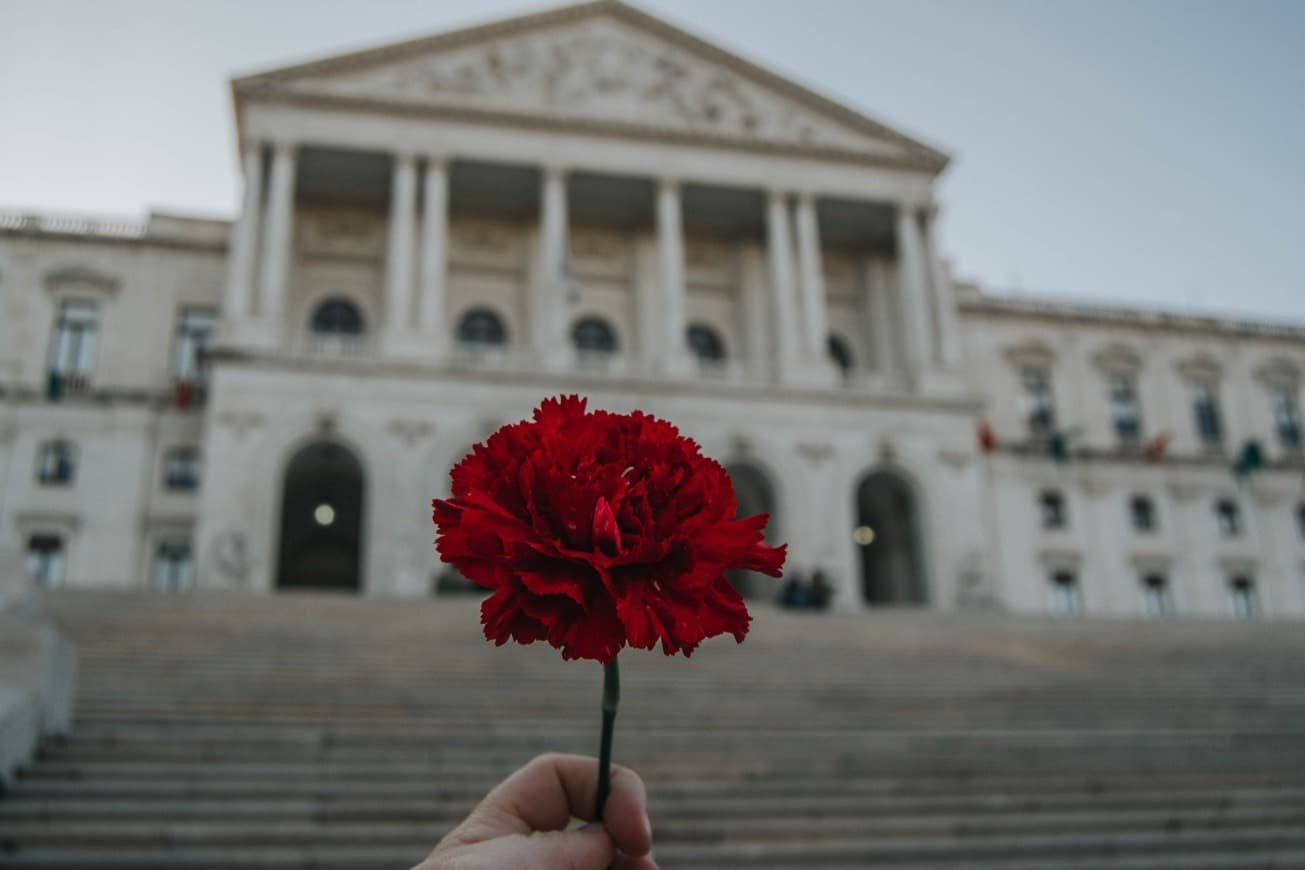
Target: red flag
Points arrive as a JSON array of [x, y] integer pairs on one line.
[[183, 393], [1156, 447], [987, 438]]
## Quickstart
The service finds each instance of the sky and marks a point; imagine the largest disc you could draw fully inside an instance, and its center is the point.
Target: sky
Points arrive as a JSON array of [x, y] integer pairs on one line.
[[1144, 152]]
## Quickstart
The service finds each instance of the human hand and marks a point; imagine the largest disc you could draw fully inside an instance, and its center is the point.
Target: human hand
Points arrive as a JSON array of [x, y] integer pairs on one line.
[[521, 824]]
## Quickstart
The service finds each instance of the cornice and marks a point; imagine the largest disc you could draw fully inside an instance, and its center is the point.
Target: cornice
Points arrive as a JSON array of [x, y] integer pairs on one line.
[[645, 133], [1140, 318]]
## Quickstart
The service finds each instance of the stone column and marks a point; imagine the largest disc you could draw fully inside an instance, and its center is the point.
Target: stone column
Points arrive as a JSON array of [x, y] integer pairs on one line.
[[546, 312], [753, 321], [670, 261], [238, 297], [815, 317], [912, 286], [434, 241], [398, 258], [944, 299], [278, 233], [783, 302]]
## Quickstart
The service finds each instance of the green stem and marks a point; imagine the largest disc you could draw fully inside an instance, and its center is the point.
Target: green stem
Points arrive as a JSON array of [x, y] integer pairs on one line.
[[611, 698]]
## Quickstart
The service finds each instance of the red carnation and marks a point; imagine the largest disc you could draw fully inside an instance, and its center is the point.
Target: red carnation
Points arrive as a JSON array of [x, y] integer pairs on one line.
[[596, 530]]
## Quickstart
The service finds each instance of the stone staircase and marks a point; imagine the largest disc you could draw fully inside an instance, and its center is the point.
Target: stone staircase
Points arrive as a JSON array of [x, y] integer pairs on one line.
[[226, 731]]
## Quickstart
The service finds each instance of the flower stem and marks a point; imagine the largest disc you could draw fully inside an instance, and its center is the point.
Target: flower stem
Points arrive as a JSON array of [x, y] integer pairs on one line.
[[611, 698]]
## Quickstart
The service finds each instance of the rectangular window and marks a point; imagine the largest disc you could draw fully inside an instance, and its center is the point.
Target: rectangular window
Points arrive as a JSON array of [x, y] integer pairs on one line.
[[1039, 404], [1125, 411], [181, 469], [173, 570], [1229, 518], [1286, 417], [1155, 595], [195, 330], [1054, 515], [55, 463], [75, 330], [1142, 510], [45, 560], [1066, 600], [1245, 601], [1209, 422]]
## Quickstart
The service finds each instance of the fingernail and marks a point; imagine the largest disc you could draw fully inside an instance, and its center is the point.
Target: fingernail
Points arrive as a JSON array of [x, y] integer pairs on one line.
[[591, 827], [647, 827]]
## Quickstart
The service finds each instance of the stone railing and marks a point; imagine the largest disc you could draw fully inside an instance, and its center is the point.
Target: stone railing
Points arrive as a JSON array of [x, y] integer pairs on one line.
[[77, 225]]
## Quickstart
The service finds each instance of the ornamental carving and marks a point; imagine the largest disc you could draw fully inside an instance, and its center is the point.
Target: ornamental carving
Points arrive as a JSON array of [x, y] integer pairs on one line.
[[80, 280], [1118, 358], [604, 71]]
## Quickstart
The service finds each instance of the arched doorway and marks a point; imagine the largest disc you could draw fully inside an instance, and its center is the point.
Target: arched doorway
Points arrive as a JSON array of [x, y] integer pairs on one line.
[[887, 535], [755, 495], [321, 520]]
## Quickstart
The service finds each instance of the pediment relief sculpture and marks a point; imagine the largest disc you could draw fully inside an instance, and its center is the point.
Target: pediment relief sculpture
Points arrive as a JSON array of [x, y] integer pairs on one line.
[[606, 64], [80, 281]]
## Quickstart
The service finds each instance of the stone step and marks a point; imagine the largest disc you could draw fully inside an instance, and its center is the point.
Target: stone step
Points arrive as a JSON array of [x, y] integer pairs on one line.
[[1166, 850], [261, 833], [433, 807]]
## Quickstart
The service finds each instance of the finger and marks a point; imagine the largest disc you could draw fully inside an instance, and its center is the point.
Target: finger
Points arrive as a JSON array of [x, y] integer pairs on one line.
[[642, 862], [626, 813], [550, 790]]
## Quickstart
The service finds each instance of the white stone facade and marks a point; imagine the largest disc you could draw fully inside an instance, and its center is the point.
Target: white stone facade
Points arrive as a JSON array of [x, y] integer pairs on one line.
[[597, 184]]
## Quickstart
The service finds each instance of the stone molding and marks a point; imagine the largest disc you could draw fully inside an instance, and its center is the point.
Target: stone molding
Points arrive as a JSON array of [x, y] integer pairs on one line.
[[1033, 352], [1117, 358], [80, 281]]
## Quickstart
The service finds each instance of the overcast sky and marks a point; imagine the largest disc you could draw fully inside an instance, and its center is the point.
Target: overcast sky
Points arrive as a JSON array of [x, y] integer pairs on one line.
[[1142, 151]]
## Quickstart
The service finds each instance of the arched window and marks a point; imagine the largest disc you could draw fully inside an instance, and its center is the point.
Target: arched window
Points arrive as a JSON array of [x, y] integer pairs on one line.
[[705, 342], [337, 316], [481, 327], [841, 354], [593, 336]]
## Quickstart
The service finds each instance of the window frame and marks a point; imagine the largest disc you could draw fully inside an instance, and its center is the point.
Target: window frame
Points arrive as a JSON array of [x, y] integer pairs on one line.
[[1157, 597], [1053, 510], [1207, 414], [68, 455], [493, 336], [1125, 404], [336, 303], [174, 581], [42, 556], [75, 341], [1245, 596], [597, 325], [1065, 593], [192, 343], [171, 458], [1039, 397], [1142, 507], [1285, 407], [1228, 517]]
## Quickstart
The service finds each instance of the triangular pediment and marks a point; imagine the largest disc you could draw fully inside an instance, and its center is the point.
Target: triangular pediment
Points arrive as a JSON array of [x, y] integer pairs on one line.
[[597, 65]]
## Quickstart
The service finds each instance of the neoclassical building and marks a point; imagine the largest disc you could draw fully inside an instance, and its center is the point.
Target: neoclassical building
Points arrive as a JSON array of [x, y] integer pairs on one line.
[[437, 234]]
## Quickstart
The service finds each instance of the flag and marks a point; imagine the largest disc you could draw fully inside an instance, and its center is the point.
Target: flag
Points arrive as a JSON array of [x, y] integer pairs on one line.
[[987, 438], [1058, 447], [1250, 459], [1157, 447], [54, 386]]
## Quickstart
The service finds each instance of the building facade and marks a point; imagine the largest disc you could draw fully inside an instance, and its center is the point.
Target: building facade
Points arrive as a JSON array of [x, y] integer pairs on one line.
[[437, 234]]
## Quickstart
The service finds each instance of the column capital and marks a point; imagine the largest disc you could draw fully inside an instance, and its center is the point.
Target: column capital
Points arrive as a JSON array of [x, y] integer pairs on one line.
[[436, 161], [405, 157], [668, 182], [554, 170], [251, 148], [776, 194]]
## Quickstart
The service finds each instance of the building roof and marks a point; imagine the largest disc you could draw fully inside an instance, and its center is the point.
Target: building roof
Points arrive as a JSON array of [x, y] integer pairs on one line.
[[603, 66]]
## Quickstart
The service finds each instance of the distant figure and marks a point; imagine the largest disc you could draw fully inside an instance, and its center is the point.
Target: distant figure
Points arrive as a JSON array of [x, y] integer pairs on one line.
[[820, 590], [794, 594]]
